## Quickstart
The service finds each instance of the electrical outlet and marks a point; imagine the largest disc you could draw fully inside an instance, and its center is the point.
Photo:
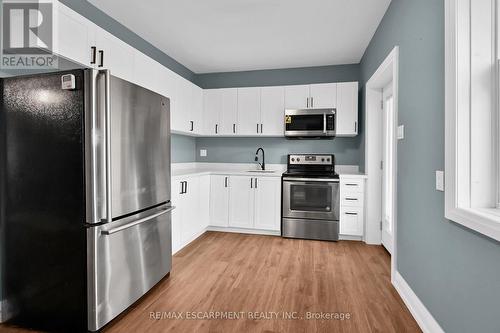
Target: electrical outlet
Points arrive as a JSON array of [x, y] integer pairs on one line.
[[440, 180], [203, 152], [401, 132]]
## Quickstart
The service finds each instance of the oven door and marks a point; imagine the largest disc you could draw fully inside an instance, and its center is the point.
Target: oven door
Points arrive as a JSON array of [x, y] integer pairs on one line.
[[310, 123], [309, 198]]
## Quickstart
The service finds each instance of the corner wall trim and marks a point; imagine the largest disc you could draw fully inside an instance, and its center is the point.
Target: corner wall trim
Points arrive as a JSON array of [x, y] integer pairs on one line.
[[418, 310]]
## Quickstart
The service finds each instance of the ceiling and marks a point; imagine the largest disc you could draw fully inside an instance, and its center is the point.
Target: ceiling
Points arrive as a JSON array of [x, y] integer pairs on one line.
[[235, 35]]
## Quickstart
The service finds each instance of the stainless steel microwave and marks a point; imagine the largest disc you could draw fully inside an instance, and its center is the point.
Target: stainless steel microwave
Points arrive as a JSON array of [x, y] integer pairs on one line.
[[310, 123]]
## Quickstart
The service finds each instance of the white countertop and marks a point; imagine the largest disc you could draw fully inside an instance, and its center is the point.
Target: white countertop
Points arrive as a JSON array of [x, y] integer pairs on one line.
[[243, 169]]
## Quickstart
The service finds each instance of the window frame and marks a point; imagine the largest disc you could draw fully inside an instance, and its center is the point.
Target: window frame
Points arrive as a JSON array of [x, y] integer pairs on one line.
[[459, 85]]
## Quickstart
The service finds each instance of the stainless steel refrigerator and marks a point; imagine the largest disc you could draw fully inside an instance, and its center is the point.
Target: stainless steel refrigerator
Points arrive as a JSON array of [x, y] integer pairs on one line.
[[84, 197]]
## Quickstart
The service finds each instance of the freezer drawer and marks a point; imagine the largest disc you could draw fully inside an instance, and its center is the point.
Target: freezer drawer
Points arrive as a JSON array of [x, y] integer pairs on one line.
[[310, 229], [125, 259]]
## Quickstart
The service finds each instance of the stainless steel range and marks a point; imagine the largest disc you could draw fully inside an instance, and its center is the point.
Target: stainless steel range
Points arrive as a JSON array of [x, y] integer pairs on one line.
[[310, 207]]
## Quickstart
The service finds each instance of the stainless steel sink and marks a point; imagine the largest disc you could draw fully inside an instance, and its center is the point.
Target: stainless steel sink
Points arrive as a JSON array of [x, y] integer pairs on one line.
[[262, 171]]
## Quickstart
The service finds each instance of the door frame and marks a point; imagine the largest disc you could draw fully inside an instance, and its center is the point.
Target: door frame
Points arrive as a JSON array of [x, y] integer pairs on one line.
[[387, 71]]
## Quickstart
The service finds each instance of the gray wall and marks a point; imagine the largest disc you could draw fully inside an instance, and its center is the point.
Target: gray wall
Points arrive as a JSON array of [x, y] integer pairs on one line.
[[242, 150], [454, 271], [183, 149], [100, 18], [278, 77]]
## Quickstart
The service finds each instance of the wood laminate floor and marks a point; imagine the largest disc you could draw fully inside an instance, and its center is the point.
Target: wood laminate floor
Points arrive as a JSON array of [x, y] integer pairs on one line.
[[272, 284]]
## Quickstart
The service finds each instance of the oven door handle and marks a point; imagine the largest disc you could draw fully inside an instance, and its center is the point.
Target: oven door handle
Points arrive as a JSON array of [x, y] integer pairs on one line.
[[329, 180]]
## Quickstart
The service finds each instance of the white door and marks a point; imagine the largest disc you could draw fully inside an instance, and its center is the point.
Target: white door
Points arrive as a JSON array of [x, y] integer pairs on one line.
[[75, 37], [389, 128], [347, 109], [267, 203], [176, 214], [323, 96], [272, 111], [196, 120], [190, 216], [229, 115], [297, 97], [241, 202], [212, 108], [248, 111], [219, 200], [115, 55]]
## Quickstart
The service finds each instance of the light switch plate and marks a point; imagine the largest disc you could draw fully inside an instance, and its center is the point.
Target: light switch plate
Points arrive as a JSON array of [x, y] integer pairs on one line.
[[203, 152], [401, 132], [440, 180]]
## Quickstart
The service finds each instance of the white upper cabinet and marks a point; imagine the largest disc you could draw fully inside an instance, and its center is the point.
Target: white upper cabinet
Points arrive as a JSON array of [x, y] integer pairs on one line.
[[115, 55], [196, 120], [297, 97], [347, 109], [180, 109], [272, 111], [249, 111], [323, 96], [212, 106], [229, 115], [75, 37]]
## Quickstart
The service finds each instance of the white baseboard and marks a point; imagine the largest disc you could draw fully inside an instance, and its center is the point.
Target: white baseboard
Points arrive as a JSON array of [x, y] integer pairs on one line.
[[244, 231], [423, 317]]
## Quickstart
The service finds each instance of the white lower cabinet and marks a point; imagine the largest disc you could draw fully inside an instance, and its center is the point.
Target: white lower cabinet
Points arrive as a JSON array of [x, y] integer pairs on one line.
[[241, 202], [219, 201], [245, 202], [190, 217], [352, 206]]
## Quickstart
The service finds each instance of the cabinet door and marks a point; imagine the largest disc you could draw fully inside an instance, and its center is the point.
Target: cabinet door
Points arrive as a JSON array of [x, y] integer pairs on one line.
[[351, 221], [219, 200], [190, 217], [75, 37], [297, 97], [229, 113], [212, 107], [272, 111], [241, 202], [323, 96], [176, 214], [196, 119], [347, 109], [268, 203], [115, 55], [248, 111], [180, 114], [204, 199]]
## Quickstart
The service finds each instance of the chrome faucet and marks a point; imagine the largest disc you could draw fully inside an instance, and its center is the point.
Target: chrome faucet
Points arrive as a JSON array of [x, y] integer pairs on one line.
[[263, 164]]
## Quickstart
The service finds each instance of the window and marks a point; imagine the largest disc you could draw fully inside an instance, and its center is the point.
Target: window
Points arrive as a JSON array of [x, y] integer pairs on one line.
[[472, 147]]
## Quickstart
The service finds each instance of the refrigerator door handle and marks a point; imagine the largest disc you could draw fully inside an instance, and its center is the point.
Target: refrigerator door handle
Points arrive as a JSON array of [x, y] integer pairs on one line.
[[107, 106], [134, 223]]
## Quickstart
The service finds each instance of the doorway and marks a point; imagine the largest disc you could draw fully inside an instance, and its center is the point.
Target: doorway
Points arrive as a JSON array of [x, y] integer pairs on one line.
[[381, 119]]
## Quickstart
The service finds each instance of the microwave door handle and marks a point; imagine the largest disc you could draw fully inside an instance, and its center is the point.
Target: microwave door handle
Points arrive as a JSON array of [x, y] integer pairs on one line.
[[324, 123]]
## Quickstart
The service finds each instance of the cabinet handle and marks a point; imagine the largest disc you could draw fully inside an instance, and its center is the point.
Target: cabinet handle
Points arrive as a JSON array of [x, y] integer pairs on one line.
[[225, 182], [101, 55], [355, 127], [255, 182], [347, 213], [351, 199], [350, 184], [216, 128], [312, 102], [251, 182], [261, 126], [182, 188], [257, 128], [307, 102], [186, 188], [192, 125], [234, 128], [93, 54]]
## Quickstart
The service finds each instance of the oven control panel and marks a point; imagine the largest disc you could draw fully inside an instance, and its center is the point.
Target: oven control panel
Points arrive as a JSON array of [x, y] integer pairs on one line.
[[321, 159]]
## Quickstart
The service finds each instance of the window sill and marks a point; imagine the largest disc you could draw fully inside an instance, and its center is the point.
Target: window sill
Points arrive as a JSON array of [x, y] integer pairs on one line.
[[485, 221]]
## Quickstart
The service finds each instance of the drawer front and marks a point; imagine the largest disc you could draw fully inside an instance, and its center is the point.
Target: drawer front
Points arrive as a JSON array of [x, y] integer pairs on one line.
[[351, 221], [352, 185], [352, 199]]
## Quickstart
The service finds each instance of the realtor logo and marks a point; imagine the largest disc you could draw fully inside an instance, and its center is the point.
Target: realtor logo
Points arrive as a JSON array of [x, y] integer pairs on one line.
[[28, 35]]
